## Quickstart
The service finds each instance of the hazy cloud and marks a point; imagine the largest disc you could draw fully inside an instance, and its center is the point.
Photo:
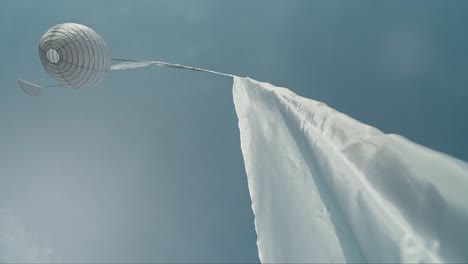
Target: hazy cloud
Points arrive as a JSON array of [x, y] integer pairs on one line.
[[19, 246]]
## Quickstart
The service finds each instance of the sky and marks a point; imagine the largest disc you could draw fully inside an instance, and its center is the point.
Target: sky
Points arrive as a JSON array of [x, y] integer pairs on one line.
[[146, 166]]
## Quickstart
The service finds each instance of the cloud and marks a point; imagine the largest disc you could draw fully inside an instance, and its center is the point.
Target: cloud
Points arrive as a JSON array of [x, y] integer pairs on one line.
[[19, 246]]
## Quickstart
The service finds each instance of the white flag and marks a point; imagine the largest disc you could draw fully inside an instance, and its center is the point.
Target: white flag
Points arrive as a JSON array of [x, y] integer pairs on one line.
[[327, 188]]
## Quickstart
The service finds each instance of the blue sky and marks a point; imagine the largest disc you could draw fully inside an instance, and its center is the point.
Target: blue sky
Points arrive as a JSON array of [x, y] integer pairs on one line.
[[146, 166]]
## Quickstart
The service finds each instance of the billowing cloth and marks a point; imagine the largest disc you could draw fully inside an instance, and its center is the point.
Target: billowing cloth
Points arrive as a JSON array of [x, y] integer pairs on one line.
[[327, 188]]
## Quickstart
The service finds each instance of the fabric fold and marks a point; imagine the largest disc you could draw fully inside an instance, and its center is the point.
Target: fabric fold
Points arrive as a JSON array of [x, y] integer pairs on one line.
[[328, 188]]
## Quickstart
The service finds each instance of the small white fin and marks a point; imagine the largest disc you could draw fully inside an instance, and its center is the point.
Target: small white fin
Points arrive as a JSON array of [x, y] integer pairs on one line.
[[30, 88]]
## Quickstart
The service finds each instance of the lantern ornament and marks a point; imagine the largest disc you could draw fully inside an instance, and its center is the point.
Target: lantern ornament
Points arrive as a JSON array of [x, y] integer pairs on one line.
[[77, 57], [74, 55]]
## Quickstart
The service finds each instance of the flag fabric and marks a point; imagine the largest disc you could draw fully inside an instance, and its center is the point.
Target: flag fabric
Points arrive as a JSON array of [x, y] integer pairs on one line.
[[327, 188]]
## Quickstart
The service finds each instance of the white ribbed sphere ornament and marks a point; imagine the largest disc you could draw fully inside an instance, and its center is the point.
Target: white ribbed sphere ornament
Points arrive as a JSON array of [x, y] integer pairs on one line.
[[74, 55]]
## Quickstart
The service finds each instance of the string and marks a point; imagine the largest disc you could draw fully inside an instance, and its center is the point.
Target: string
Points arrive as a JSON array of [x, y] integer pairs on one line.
[[130, 64], [35, 90]]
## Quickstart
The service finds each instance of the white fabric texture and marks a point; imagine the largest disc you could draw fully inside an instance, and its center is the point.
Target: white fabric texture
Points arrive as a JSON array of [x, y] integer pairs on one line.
[[327, 188]]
